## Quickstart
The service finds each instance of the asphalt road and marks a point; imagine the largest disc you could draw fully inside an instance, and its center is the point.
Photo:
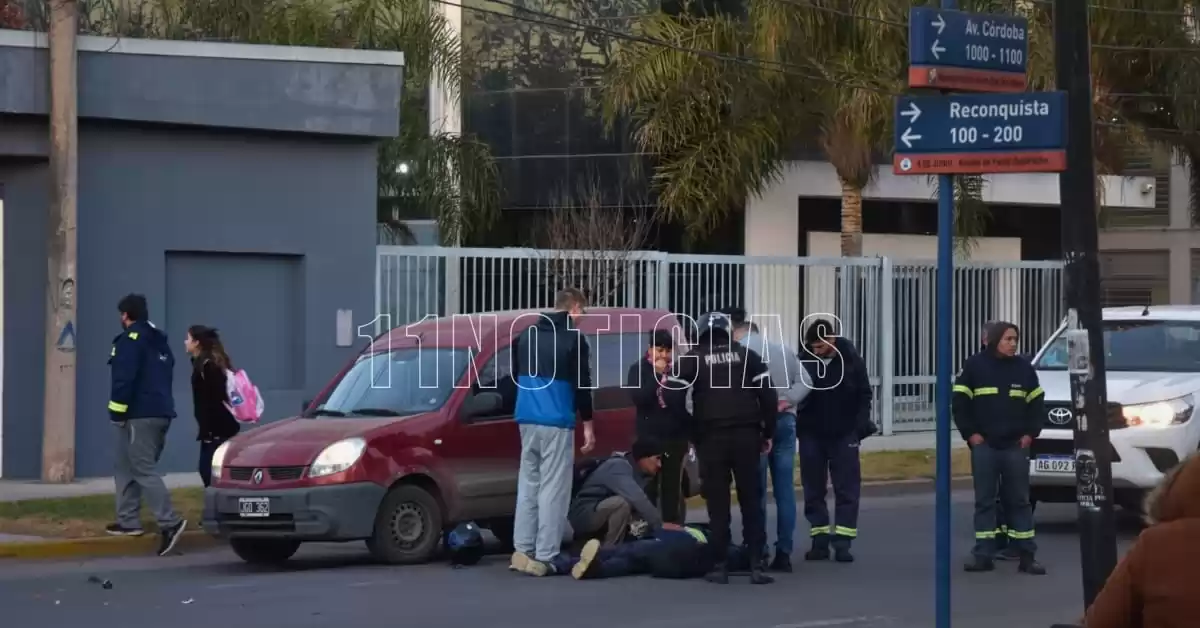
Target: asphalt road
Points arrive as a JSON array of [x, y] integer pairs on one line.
[[890, 586]]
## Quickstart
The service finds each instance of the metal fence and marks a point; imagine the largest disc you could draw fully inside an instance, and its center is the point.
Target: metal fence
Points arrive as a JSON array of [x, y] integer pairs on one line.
[[886, 306]]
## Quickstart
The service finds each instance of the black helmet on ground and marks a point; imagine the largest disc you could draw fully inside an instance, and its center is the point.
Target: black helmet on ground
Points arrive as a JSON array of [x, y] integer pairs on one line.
[[465, 544]]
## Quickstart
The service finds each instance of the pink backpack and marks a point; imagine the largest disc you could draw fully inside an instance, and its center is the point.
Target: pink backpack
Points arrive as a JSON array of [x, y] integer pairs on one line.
[[244, 402]]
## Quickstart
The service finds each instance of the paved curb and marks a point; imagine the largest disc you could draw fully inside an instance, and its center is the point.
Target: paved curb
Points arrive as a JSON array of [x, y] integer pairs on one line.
[[94, 547]]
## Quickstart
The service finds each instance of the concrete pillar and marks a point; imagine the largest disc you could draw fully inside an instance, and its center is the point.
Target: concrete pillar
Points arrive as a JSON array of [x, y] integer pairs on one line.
[[772, 279]]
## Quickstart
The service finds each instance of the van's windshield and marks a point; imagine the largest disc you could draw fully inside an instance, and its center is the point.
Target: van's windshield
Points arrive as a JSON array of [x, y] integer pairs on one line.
[[396, 383], [1138, 345]]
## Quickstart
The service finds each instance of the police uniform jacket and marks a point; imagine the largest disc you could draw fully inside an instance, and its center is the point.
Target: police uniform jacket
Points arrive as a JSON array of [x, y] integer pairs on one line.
[[730, 388], [142, 371], [998, 398]]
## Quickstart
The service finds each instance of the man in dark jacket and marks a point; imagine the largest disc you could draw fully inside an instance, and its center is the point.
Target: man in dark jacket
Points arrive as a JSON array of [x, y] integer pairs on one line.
[[553, 372], [998, 409], [616, 490], [141, 407], [1004, 551], [656, 423], [678, 553], [834, 419], [733, 419]]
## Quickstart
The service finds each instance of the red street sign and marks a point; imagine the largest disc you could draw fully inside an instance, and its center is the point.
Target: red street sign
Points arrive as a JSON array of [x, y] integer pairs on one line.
[[942, 77], [980, 163]]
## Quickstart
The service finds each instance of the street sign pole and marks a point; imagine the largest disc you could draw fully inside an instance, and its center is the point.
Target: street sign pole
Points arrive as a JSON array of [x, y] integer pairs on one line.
[[944, 366], [1085, 334]]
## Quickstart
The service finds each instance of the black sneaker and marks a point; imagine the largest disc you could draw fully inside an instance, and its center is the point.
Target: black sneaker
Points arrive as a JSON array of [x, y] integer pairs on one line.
[[979, 563], [1030, 566], [719, 575], [758, 576], [843, 555], [116, 529], [169, 537], [782, 563], [817, 553]]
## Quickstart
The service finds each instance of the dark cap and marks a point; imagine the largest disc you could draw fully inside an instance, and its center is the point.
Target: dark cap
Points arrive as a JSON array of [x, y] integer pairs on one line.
[[646, 448]]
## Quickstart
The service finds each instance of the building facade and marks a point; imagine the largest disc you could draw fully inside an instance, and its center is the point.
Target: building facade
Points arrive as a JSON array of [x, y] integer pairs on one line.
[[233, 185]]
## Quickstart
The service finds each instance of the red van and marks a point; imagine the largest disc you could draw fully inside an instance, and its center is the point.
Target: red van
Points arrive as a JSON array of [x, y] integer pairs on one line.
[[415, 435]]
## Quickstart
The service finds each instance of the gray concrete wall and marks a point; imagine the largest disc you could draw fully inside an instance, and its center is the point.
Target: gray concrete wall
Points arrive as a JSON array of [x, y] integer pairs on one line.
[[207, 84], [269, 234]]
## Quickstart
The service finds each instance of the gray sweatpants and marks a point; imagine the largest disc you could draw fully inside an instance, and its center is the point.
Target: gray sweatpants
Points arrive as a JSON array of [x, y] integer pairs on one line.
[[543, 490], [139, 446]]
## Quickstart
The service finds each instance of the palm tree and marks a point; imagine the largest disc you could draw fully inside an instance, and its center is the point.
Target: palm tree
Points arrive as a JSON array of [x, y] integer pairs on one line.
[[451, 177], [786, 72]]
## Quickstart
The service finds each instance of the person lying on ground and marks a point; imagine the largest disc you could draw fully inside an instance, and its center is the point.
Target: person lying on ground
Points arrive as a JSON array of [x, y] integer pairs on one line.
[[614, 492], [675, 554]]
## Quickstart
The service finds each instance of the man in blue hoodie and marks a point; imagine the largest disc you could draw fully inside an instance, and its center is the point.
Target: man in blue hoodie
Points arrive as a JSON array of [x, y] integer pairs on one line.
[[553, 372], [141, 407], [830, 425]]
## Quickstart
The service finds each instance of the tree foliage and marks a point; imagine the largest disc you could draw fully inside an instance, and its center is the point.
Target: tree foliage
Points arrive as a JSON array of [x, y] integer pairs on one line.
[[733, 93], [451, 177]]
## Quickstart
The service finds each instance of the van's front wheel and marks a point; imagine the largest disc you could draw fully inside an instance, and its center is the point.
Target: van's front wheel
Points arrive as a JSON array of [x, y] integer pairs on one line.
[[408, 527]]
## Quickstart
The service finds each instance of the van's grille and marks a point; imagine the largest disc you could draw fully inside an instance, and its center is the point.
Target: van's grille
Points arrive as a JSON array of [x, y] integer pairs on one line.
[[245, 474]]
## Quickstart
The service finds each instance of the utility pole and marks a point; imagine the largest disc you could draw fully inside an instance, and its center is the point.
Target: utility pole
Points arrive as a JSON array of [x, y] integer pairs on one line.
[[58, 411], [1085, 335]]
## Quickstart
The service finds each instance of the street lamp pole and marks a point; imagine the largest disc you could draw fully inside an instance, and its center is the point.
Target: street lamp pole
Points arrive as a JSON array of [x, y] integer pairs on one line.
[[1085, 334]]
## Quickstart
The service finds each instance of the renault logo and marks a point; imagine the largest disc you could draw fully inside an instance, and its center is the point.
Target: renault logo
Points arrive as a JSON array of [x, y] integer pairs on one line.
[[1059, 416], [258, 475]]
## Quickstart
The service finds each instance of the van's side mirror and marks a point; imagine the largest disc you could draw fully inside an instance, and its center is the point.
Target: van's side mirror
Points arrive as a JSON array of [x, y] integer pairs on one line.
[[481, 404], [304, 406]]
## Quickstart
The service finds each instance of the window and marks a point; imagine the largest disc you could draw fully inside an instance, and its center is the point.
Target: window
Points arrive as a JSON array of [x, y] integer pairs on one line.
[[496, 376], [613, 354], [1138, 345], [400, 382]]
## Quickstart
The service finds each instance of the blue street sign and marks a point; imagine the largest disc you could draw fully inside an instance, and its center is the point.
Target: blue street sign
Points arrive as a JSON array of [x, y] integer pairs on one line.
[[949, 134], [975, 41]]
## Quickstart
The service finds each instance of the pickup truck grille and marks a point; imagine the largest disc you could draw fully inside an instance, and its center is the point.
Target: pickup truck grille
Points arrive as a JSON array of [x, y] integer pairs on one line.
[[1061, 416]]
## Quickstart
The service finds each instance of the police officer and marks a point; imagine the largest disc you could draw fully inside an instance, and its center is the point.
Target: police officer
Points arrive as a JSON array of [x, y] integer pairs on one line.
[[732, 421], [998, 409]]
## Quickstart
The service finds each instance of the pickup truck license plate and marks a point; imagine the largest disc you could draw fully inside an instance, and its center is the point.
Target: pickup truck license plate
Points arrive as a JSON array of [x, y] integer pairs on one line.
[[254, 506], [1054, 464]]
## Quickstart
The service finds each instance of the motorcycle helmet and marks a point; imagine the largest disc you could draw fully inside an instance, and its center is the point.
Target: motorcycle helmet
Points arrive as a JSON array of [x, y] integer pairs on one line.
[[465, 544]]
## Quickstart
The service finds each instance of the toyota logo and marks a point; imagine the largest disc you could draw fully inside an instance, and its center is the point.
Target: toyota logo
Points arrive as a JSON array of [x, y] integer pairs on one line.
[[258, 476], [1059, 416]]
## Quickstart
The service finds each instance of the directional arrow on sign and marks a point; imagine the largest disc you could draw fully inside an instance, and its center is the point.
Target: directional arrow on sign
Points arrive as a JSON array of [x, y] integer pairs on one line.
[[937, 50], [912, 113], [939, 23], [908, 137]]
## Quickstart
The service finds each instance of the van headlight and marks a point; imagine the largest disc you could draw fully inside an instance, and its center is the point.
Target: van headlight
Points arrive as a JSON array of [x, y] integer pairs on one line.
[[1159, 413], [337, 457], [218, 460]]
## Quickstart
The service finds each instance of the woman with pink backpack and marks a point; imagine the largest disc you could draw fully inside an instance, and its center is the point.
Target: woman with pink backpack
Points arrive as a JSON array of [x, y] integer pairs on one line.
[[222, 397]]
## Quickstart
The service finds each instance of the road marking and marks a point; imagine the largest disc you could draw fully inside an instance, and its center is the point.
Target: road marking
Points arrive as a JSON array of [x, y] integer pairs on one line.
[[841, 621], [371, 583]]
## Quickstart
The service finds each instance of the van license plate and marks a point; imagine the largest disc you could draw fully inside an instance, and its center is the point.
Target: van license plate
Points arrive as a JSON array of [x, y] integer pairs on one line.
[[1054, 464], [254, 506]]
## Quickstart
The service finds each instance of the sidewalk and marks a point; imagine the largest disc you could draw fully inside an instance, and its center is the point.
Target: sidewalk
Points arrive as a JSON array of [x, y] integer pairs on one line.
[[18, 490]]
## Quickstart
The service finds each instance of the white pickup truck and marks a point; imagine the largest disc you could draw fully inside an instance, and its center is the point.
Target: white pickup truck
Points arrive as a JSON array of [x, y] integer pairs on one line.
[[1152, 359]]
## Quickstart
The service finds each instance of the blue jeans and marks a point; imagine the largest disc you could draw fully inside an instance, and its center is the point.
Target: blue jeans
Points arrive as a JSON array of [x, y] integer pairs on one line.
[[782, 464]]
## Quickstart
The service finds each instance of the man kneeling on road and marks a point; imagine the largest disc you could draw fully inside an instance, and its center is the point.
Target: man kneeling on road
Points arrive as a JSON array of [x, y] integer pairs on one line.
[[616, 490], [677, 553]]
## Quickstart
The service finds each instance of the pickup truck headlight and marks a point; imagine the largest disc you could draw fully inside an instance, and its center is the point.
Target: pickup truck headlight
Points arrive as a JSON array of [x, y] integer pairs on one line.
[[337, 457], [1160, 413], [218, 460]]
